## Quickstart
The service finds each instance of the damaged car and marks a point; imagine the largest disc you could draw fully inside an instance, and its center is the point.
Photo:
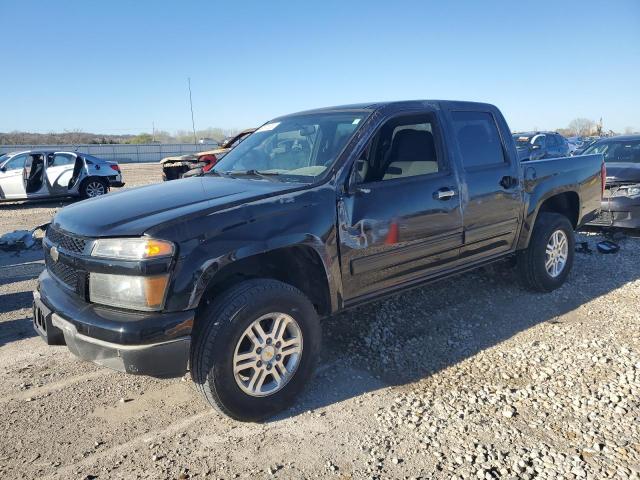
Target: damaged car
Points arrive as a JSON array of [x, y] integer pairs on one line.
[[40, 174], [621, 198], [228, 275], [196, 164]]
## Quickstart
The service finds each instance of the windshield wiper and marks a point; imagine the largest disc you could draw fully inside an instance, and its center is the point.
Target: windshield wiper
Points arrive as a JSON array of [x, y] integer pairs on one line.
[[253, 173]]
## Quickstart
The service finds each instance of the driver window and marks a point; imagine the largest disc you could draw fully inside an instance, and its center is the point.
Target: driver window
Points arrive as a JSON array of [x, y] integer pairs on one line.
[[403, 147], [16, 163]]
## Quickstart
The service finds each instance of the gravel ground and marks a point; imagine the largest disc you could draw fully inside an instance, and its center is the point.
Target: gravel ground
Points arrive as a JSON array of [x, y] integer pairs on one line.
[[471, 377]]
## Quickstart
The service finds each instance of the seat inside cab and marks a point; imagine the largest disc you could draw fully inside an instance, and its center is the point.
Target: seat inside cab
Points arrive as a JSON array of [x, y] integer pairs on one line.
[[412, 153], [404, 147], [35, 172]]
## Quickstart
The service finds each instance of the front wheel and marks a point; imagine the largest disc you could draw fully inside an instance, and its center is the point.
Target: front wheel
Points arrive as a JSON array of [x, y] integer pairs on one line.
[[254, 348], [545, 264]]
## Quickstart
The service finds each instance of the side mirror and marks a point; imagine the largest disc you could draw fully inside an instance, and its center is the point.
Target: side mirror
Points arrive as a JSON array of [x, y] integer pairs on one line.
[[3, 169], [535, 147]]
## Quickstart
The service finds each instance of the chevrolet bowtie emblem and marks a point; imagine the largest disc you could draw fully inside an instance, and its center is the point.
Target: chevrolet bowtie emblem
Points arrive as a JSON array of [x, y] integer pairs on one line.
[[54, 254]]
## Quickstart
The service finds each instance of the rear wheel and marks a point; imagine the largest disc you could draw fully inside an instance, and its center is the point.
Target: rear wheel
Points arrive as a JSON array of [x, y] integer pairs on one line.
[[93, 187], [254, 348], [546, 263]]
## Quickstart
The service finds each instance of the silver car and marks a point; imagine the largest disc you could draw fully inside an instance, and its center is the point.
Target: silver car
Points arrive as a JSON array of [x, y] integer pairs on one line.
[[44, 173]]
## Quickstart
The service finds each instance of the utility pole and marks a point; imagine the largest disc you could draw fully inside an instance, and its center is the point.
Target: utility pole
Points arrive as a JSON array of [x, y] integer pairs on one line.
[[193, 124], [153, 132]]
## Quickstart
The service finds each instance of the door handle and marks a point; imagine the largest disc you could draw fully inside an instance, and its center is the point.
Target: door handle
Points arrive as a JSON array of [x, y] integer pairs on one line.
[[444, 193], [508, 182]]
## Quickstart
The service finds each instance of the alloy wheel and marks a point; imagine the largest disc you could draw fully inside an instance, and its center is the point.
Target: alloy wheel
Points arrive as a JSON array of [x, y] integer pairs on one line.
[[95, 189], [557, 252], [267, 354]]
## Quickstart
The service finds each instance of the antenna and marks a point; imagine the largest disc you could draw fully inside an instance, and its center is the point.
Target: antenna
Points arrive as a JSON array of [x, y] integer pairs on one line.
[[193, 124]]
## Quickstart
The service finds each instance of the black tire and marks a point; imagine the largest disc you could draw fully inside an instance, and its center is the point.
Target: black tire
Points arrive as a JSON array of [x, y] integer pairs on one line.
[[531, 261], [218, 330], [87, 183]]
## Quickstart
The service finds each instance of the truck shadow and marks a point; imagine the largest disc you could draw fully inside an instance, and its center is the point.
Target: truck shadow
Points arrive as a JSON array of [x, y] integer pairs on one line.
[[14, 330], [413, 335], [19, 269], [14, 301]]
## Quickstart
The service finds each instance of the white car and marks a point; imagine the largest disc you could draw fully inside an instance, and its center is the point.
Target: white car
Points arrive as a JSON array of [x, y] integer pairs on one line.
[[42, 174]]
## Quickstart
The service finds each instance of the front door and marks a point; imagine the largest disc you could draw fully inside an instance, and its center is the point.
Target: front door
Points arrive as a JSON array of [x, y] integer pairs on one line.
[[400, 218], [12, 178], [492, 198]]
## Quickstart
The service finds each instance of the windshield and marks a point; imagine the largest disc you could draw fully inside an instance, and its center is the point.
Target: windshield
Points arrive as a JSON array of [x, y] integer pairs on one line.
[[617, 151], [4, 158], [296, 148], [521, 140]]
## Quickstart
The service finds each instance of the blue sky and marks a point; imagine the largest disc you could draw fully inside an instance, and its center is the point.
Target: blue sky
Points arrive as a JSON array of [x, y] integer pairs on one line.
[[118, 66]]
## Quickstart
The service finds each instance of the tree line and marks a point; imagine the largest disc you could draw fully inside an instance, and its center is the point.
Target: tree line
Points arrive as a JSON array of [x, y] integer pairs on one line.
[[77, 137]]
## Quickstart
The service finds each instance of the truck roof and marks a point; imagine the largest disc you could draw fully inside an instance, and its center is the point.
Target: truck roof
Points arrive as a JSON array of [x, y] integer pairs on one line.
[[377, 105]]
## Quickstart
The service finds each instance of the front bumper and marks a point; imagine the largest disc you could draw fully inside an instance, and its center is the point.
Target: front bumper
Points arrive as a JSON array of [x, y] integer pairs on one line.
[[154, 344], [620, 212]]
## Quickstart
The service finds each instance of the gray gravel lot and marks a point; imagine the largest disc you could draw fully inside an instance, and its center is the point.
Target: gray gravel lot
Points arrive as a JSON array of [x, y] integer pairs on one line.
[[470, 378]]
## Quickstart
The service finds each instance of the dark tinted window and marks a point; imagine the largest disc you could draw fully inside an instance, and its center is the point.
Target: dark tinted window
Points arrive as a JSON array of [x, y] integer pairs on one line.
[[478, 138]]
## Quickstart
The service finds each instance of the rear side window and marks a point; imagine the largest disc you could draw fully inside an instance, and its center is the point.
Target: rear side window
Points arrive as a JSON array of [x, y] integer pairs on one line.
[[60, 159], [478, 138]]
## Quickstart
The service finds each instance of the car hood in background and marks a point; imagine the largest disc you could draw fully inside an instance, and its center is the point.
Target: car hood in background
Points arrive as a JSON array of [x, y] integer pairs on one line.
[[180, 158], [623, 172], [133, 212]]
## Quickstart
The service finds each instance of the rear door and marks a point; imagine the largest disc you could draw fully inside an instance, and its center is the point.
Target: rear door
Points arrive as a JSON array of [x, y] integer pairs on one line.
[[12, 176], [400, 219], [491, 190], [553, 146], [59, 171]]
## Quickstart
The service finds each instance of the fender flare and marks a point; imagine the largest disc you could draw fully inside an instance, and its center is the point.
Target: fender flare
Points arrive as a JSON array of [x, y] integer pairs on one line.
[[531, 216], [212, 266]]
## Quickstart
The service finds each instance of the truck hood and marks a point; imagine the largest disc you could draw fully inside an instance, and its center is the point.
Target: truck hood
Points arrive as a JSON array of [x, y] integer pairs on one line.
[[623, 172], [133, 212]]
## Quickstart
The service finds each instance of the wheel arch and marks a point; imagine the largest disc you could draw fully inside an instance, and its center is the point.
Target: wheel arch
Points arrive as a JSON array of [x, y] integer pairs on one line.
[[565, 203], [89, 178], [301, 265]]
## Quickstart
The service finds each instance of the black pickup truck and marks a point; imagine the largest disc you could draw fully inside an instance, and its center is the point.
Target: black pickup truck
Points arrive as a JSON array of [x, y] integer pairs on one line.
[[227, 275]]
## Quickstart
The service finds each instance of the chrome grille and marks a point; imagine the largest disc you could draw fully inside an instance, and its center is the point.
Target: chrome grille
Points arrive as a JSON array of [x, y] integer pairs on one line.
[[66, 242]]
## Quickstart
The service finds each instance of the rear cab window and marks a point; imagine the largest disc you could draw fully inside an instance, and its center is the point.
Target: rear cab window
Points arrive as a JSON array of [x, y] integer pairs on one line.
[[478, 139]]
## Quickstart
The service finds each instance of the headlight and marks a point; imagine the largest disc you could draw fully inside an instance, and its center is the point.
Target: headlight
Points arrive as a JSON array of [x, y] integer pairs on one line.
[[626, 191], [132, 248], [126, 291], [633, 190]]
